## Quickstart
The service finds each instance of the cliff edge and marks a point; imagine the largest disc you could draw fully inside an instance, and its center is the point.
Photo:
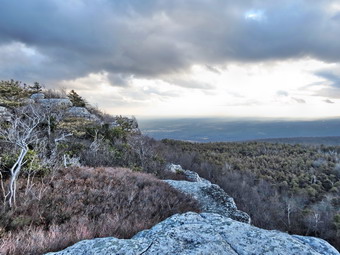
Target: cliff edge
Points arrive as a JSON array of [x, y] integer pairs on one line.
[[219, 229]]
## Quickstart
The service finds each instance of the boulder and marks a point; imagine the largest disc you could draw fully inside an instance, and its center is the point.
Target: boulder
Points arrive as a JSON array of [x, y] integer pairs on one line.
[[174, 168], [81, 112], [5, 113], [190, 175], [37, 96], [210, 197], [205, 233]]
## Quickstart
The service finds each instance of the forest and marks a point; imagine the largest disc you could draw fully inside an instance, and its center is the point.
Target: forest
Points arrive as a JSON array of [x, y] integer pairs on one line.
[[293, 188]]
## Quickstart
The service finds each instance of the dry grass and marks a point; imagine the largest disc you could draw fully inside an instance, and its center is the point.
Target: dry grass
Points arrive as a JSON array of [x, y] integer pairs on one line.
[[84, 203]]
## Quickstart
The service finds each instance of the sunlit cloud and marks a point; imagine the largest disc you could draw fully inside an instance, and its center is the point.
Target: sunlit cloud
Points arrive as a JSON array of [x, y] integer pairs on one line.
[[256, 15]]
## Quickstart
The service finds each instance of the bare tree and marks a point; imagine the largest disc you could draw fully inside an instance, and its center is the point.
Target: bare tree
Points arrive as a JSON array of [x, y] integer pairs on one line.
[[142, 146], [21, 132]]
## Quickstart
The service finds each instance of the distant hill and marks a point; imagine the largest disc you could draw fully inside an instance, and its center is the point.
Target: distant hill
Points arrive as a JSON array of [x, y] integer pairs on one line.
[[232, 130], [328, 140]]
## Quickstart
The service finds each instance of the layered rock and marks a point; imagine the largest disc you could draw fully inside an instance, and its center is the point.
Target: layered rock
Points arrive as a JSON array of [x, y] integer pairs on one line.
[[205, 233], [81, 112], [5, 113], [54, 102], [210, 196], [37, 96]]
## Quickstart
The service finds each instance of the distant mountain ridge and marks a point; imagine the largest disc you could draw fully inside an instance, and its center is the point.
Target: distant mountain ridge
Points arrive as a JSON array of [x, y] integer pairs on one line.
[[232, 130]]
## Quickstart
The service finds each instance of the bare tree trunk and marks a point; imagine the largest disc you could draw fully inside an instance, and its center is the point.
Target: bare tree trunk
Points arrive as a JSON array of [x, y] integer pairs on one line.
[[15, 170]]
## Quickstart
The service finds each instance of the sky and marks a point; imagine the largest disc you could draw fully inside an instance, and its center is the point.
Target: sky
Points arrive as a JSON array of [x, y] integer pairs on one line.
[[180, 58]]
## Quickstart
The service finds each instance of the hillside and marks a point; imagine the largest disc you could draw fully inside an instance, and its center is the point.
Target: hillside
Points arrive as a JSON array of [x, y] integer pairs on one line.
[[48, 198]]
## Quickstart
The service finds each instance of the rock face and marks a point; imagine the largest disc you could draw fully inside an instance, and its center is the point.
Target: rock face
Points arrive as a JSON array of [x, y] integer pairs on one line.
[[81, 112], [205, 233], [211, 198], [220, 229], [5, 113], [190, 175], [54, 102], [37, 96]]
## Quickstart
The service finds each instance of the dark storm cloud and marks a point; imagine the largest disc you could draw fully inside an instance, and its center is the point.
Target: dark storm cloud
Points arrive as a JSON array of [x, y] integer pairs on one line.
[[155, 38]]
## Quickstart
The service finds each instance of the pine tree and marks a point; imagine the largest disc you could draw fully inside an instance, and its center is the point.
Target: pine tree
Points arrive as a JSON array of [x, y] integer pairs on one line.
[[36, 88], [12, 90], [76, 99]]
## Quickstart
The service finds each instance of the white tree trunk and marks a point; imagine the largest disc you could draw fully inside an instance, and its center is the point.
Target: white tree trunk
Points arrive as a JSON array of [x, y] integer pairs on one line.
[[15, 171]]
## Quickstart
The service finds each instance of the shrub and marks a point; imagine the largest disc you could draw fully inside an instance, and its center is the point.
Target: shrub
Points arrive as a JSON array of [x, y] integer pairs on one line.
[[83, 203]]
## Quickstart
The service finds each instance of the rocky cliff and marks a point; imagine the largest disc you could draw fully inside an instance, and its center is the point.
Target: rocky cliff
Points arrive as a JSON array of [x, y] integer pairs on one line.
[[219, 229]]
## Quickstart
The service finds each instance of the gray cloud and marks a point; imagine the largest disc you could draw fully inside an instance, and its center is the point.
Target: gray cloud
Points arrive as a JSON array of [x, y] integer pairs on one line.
[[299, 100], [189, 83], [154, 38], [333, 76], [328, 101], [329, 92], [282, 93], [332, 80]]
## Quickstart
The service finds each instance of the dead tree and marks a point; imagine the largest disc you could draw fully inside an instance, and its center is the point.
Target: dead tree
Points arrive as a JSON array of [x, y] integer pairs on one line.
[[21, 132]]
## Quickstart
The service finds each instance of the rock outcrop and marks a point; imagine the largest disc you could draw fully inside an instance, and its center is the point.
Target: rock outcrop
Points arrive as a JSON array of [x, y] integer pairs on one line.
[[220, 229], [54, 102], [81, 112], [37, 96], [205, 233], [211, 197], [50, 102], [5, 113]]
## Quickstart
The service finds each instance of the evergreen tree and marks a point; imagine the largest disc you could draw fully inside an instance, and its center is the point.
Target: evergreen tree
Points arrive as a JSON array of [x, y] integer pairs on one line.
[[76, 99], [36, 87]]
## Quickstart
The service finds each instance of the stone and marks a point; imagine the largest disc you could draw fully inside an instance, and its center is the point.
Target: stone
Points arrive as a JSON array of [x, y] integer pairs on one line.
[[211, 198], [193, 177], [28, 101], [190, 175], [37, 96], [205, 233], [55, 102], [81, 112], [5, 113], [174, 168]]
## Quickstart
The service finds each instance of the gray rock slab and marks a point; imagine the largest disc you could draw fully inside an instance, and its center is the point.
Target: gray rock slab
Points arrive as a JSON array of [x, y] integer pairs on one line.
[[54, 102], [37, 96], [81, 112], [211, 198], [5, 113], [205, 233]]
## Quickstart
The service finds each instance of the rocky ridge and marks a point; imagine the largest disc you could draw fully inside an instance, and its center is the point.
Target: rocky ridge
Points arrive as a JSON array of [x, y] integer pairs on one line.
[[219, 229], [71, 111], [211, 197], [205, 233]]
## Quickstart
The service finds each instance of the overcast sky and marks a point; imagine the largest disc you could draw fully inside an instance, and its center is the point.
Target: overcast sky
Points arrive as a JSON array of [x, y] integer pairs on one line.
[[180, 57]]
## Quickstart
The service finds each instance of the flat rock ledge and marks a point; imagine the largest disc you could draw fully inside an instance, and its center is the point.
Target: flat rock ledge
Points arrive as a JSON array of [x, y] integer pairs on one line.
[[211, 198], [205, 233]]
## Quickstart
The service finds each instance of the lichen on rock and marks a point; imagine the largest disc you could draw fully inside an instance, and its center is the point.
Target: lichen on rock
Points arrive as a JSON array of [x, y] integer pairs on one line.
[[210, 196], [205, 233]]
